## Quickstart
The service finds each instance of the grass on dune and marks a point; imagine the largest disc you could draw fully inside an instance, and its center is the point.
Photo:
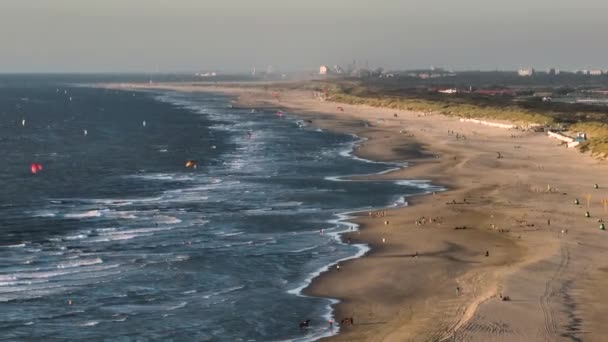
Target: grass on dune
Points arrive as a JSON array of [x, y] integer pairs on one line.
[[597, 132]]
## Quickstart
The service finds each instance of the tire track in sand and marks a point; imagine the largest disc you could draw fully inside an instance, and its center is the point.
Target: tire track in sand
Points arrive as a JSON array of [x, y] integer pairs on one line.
[[550, 324]]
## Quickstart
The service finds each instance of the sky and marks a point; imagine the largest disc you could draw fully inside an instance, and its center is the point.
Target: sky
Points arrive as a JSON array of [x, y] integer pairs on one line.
[[237, 35]]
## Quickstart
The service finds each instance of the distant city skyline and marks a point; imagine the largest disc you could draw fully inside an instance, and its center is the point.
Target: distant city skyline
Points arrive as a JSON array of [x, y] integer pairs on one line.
[[237, 35]]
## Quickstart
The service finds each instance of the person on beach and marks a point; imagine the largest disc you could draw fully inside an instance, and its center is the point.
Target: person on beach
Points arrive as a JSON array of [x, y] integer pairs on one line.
[[331, 323], [487, 253], [458, 290]]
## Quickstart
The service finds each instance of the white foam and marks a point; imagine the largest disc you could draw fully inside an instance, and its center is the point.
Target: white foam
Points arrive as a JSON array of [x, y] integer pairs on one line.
[[44, 214], [136, 231], [89, 324], [76, 237], [42, 276], [19, 245], [305, 249], [164, 219], [221, 292], [163, 177], [178, 306], [421, 184], [86, 214], [400, 202], [82, 262], [118, 237]]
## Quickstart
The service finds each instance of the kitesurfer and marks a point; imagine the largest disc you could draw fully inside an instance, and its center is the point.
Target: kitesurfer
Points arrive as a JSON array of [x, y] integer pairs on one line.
[[191, 163]]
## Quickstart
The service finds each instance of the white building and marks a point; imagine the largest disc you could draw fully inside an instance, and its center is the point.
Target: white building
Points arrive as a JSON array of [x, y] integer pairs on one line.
[[596, 72], [323, 70], [525, 72]]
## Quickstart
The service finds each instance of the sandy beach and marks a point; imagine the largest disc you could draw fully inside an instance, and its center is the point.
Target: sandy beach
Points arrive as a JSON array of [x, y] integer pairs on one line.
[[506, 228]]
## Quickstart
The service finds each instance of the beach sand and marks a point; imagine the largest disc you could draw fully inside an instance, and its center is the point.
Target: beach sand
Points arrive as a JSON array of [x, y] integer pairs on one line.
[[434, 282]]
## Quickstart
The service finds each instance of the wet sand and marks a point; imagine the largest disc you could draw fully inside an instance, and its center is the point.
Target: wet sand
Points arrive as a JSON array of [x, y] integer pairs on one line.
[[433, 281]]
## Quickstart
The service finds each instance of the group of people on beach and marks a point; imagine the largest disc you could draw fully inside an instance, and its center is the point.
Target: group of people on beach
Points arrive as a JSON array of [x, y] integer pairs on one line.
[[377, 214], [343, 322], [423, 220], [458, 135]]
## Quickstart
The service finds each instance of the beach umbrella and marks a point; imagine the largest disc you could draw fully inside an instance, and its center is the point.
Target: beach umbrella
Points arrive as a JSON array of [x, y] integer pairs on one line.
[[587, 214], [596, 186], [576, 201], [602, 227]]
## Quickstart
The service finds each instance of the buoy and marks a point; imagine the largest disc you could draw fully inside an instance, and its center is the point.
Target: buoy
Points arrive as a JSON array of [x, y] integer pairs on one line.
[[69, 302], [587, 214], [85, 132], [143, 123], [576, 201], [602, 227], [23, 122]]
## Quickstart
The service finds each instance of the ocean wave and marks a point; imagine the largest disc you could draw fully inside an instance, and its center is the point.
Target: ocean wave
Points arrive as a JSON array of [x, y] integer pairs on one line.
[[86, 214], [89, 324], [421, 184], [18, 245], [222, 292], [117, 237], [400, 202], [44, 213], [163, 177], [78, 263], [178, 306], [164, 219], [306, 249]]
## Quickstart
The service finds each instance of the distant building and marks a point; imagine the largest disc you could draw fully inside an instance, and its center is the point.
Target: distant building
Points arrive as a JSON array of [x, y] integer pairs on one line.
[[323, 70], [525, 72], [596, 72], [551, 72], [448, 91]]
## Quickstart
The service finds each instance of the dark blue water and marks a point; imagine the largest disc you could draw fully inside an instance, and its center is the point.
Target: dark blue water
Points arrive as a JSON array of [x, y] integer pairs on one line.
[[146, 248]]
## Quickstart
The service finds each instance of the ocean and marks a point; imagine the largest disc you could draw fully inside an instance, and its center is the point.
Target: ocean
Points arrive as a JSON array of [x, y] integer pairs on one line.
[[115, 239]]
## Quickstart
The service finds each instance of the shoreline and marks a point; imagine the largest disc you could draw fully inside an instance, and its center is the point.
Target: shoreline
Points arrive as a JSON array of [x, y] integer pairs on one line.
[[349, 219], [394, 296]]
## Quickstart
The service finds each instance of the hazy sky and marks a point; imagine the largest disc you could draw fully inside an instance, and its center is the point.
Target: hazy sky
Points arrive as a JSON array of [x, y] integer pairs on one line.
[[173, 35]]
